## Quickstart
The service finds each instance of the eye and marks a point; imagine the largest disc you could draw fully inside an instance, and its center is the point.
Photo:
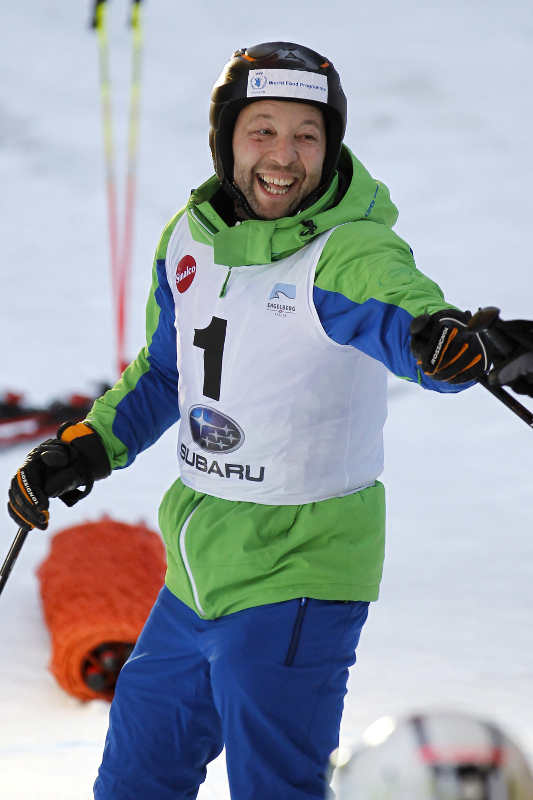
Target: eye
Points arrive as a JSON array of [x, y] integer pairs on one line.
[[260, 133]]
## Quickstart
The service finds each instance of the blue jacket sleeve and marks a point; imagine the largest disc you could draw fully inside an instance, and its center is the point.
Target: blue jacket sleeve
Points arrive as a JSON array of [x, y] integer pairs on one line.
[[144, 402], [367, 292]]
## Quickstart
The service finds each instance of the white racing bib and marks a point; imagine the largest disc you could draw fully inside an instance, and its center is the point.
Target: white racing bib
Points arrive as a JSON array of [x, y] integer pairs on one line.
[[272, 410]]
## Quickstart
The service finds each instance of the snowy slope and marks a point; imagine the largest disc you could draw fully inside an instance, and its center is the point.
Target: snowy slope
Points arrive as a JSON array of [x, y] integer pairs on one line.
[[440, 109]]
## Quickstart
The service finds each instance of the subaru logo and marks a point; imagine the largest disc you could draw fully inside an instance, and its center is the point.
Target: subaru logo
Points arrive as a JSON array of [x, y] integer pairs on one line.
[[214, 431]]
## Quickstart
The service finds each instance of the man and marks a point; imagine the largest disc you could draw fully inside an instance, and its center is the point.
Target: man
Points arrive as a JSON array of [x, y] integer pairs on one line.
[[280, 296]]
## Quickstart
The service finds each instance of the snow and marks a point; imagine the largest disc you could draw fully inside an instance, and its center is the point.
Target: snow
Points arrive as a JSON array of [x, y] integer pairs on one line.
[[439, 103]]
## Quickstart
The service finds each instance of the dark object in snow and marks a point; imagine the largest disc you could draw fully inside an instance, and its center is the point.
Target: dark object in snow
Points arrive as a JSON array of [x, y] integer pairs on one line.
[[22, 423]]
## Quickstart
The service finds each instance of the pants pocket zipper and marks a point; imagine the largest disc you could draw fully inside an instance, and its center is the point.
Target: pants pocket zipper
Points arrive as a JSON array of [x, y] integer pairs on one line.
[[295, 637]]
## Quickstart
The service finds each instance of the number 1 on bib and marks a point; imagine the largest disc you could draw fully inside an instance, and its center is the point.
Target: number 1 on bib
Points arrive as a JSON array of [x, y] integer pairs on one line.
[[211, 341]]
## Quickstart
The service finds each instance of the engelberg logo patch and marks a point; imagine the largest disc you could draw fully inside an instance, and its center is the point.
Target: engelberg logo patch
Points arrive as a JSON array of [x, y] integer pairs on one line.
[[288, 289], [185, 272], [281, 292]]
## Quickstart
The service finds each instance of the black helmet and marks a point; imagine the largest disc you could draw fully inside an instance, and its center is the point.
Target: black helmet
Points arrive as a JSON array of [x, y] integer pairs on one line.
[[260, 72]]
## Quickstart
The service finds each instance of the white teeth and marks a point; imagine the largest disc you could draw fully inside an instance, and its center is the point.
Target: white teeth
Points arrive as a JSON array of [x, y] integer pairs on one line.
[[271, 189], [269, 182], [277, 181]]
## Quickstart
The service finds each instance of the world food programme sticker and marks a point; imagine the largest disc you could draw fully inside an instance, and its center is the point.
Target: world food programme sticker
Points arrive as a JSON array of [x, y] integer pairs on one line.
[[295, 83], [258, 80]]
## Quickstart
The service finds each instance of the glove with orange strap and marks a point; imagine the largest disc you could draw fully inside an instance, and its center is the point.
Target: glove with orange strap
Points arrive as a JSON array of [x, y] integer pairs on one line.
[[446, 348], [57, 468]]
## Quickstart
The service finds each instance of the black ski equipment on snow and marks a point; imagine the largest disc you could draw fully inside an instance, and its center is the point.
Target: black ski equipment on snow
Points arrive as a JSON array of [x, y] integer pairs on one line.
[[23, 423]]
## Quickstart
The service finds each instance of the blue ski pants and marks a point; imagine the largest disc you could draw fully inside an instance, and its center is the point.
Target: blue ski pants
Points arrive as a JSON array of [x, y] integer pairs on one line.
[[268, 683]]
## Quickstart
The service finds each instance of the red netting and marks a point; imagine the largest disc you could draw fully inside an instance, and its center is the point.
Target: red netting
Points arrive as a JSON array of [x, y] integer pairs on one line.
[[98, 585]]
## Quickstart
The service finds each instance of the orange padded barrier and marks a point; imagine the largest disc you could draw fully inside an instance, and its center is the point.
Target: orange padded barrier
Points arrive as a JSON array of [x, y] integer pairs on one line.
[[98, 584]]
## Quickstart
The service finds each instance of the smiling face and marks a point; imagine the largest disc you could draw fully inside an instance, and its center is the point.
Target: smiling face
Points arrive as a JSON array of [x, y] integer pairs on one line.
[[278, 150]]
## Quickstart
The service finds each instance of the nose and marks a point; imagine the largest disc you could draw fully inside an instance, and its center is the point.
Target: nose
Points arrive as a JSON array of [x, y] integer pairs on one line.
[[284, 151]]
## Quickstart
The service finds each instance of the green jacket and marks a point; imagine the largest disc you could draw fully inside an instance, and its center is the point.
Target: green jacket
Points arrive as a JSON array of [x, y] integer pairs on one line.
[[224, 555]]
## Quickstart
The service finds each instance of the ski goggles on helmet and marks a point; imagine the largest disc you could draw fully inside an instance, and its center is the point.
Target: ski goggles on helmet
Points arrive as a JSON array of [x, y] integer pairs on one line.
[[281, 54]]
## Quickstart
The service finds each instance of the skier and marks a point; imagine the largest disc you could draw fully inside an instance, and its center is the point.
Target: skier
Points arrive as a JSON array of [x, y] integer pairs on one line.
[[280, 296], [432, 756]]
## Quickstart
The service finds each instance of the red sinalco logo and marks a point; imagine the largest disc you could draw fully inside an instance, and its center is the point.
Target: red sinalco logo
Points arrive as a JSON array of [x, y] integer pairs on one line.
[[185, 272]]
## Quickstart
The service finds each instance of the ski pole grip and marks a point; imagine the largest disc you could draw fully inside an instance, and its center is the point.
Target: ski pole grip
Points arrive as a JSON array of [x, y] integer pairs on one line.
[[134, 16], [94, 19], [483, 321]]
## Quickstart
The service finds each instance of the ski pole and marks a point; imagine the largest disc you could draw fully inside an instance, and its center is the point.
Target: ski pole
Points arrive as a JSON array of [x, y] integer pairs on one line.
[[12, 556], [99, 24], [483, 321], [131, 179]]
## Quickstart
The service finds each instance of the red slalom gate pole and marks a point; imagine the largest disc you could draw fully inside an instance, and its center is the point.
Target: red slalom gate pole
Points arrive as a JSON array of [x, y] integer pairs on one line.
[[121, 257], [131, 182], [99, 24]]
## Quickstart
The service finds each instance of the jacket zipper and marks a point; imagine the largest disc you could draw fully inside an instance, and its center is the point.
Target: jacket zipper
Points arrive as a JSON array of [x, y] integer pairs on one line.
[[202, 221], [211, 231], [186, 563], [295, 638]]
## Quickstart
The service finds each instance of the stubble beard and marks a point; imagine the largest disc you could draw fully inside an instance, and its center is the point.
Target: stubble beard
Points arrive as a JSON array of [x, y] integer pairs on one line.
[[247, 187]]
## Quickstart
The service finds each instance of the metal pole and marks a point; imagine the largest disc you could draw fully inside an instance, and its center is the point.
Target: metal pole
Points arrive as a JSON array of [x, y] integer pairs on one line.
[[99, 24], [12, 556], [131, 179]]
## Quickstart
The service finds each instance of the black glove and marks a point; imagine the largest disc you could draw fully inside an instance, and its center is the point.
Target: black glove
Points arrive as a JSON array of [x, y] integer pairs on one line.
[[514, 364], [447, 349], [56, 468]]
